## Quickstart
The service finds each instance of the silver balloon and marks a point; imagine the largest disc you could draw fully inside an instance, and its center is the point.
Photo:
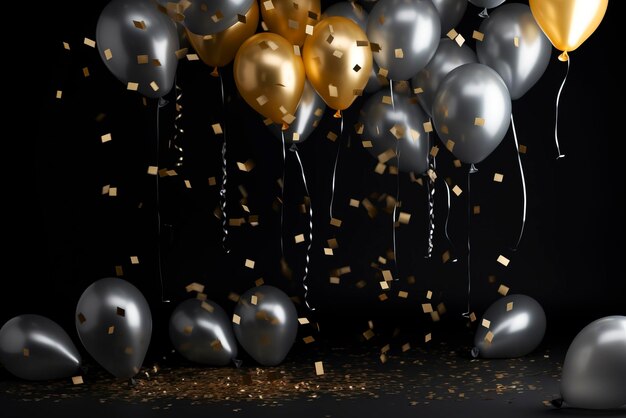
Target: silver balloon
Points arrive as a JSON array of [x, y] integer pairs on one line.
[[201, 332], [138, 44], [268, 323], [487, 4], [448, 57], [515, 47], [401, 126], [407, 33], [451, 12], [350, 10], [34, 347], [472, 112], [376, 81], [114, 324], [594, 372], [308, 115], [209, 17], [513, 326]]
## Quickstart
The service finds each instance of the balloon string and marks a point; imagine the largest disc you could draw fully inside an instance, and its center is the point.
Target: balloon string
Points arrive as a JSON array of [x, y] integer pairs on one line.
[[395, 206], [160, 104], [332, 193], [282, 197], [484, 14], [430, 188], [178, 131], [294, 148], [522, 176], [224, 176], [556, 119], [469, 224]]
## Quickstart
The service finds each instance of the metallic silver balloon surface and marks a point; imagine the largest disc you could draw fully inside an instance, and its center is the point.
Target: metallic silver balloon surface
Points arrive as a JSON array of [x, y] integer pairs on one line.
[[209, 17], [515, 47], [115, 325], [594, 371], [34, 347], [138, 44], [350, 10], [451, 12], [448, 57], [407, 32], [201, 332], [472, 112], [487, 4], [515, 330], [308, 115], [402, 127], [268, 324]]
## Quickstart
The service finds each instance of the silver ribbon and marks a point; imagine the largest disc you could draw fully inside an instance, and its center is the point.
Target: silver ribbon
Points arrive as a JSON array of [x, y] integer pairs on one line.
[[224, 177], [523, 178], [332, 193], [471, 171], [556, 120], [430, 189], [282, 196], [178, 131], [395, 206]]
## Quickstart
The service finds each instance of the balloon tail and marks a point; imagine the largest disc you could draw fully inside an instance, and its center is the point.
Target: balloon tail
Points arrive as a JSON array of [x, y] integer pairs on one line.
[[430, 188], [393, 104], [564, 56], [332, 193], [162, 103], [178, 131], [471, 171], [284, 127], [294, 148], [523, 178], [237, 362], [475, 352], [224, 176], [282, 197], [557, 403], [556, 119], [215, 72], [484, 14], [337, 114], [445, 227]]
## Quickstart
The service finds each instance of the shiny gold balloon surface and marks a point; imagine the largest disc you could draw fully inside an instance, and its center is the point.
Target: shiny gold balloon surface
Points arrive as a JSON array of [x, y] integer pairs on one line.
[[270, 76], [290, 18], [568, 23], [338, 61], [219, 49]]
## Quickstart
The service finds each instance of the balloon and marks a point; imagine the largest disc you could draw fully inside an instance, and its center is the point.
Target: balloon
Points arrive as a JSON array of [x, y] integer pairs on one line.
[[594, 371], [487, 4], [375, 81], [214, 16], [350, 10], [219, 49], [290, 19], [308, 116], [513, 326], [450, 12], [201, 332], [515, 47], [338, 61], [568, 23], [401, 126], [270, 76], [114, 324], [268, 323], [448, 57], [138, 45], [34, 347], [406, 33], [472, 112]]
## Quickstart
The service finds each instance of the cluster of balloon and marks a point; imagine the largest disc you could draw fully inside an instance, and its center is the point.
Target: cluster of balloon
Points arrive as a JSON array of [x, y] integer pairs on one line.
[[33, 347], [398, 128], [513, 326], [201, 332], [114, 324], [138, 45], [594, 371], [266, 323]]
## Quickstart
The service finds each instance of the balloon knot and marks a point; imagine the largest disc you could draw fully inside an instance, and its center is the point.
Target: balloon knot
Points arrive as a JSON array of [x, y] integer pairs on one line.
[[337, 114], [564, 57], [557, 403], [474, 352], [473, 169], [284, 127], [484, 14], [215, 73]]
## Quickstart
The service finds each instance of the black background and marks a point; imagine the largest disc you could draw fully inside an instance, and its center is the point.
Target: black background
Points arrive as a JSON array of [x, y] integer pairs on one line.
[[61, 234]]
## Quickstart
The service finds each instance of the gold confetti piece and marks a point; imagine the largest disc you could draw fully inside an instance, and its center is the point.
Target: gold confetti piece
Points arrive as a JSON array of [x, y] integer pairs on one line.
[[201, 296], [503, 260], [522, 149], [450, 145], [503, 290], [89, 42], [236, 221], [397, 131], [26, 352], [111, 329], [457, 190], [387, 276], [386, 156], [362, 43], [119, 271], [428, 127], [86, 72], [249, 263], [457, 163], [335, 222], [382, 297], [509, 306], [368, 334], [476, 210], [331, 136], [139, 24], [402, 294], [106, 138], [308, 29], [129, 351], [309, 339], [328, 251], [236, 319], [188, 329], [497, 177], [472, 317], [332, 243], [367, 144], [452, 34], [142, 59], [445, 256], [404, 218], [153, 170], [383, 358], [77, 380], [81, 318], [192, 57], [67, 46], [431, 174], [338, 54], [406, 347], [207, 307], [384, 285], [59, 94], [120, 311], [288, 118], [441, 308], [354, 203], [418, 90], [312, 15], [489, 336], [486, 323], [393, 169], [399, 53], [386, 100], [217, 129], [253, 299], [194, 287], [460, 40], [435, 316], [427, 307], [132, 86], [479, 36], [491, 279], [154, 86], [516, 41], [376, 48], [319, 368], [299, 238], [332, 91], [479, 122], [296, 50], [112, 191], [380, 168], [428, 337]]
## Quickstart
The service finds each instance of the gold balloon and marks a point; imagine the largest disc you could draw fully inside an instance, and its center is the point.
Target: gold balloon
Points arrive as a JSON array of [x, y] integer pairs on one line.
[[270, 76], [568, 23], [338, 61], [219, 49], [290, 18]]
